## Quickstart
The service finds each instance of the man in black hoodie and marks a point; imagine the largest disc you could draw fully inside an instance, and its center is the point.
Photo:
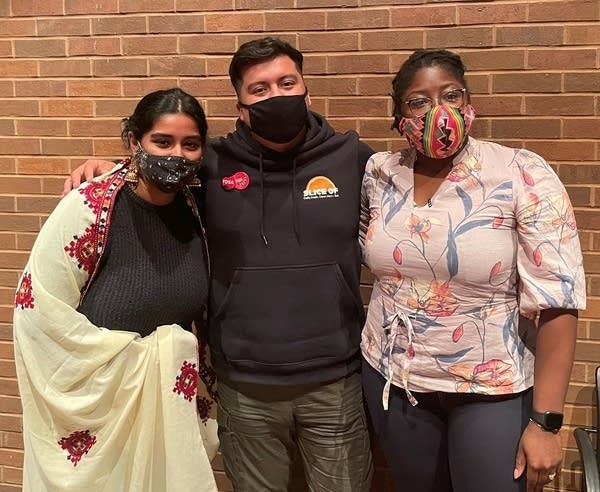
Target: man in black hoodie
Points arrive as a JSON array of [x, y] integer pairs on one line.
[[282, 201]]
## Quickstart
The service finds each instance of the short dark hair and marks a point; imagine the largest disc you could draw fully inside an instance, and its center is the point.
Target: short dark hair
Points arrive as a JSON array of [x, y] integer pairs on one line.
[[447, 60], [156, 104], [258, 51]]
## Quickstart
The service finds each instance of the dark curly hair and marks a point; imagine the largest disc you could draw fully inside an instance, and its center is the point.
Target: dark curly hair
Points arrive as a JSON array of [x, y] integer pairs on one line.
[[447, 60]]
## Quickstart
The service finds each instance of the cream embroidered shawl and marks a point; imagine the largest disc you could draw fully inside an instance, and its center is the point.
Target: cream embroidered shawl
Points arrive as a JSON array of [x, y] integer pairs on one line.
[[102, 410]]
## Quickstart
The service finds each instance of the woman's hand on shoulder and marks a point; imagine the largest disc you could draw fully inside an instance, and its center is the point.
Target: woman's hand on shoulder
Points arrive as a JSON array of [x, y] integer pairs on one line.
[[88, 170], [539, 455]]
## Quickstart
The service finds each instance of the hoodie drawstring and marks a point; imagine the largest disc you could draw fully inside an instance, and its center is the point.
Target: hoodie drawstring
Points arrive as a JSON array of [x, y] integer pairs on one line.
[[392, 330], [294, 204], [262, 201]]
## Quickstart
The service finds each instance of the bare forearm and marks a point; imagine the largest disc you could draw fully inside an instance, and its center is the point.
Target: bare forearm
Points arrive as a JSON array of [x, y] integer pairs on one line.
[[556, 337]]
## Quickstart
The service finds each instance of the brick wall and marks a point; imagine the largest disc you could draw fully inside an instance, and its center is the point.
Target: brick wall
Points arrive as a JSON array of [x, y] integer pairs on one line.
[[70, 69]]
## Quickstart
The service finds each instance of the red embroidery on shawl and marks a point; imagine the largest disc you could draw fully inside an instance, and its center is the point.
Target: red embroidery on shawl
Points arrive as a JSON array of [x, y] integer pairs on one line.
[[83, 249], [24, 297], [93, 194], [77, 444], [187, 381]]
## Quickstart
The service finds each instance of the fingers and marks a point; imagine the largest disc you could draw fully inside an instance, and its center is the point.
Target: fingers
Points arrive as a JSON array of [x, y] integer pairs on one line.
[[89, 172], [519, 463], [67, 186], [536, 480]]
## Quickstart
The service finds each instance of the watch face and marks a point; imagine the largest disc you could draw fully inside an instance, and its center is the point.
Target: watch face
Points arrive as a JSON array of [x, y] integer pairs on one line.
[[553, 420]]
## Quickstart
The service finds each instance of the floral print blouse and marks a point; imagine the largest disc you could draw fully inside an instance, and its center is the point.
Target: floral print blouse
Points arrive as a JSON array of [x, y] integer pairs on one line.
[[459, 280]]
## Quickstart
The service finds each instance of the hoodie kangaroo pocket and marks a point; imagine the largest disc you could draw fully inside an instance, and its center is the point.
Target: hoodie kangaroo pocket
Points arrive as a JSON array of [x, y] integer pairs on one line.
[[288, 317]]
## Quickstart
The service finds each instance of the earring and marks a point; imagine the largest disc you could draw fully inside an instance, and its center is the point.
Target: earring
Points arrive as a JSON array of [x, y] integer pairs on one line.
[[132, 174]]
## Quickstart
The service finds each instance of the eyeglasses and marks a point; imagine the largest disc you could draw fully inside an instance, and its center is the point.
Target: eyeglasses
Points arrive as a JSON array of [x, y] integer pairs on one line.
[[420, 105]]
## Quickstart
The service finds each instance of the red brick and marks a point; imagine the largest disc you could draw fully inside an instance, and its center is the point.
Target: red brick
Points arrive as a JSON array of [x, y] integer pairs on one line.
[[332, 85], [149, 45], [423, 16], [559, 105], [288, 37], [11, 457], [363, 107], [581, 196], [204, 5], [7, 368], [529, 36], [221, 107], [8, 240], [12, 475], [32, 48], [118, 25], [36, 204], [141, 87], [7, 165], [478, 83], [25, 241], [43, 165], [497, 105], [40, 127], [294, 21], [208, 44], [63, 27], [494, 59], [115, 67], [65, 68], [94, 87], [471, 37], [314, 64], [7, 88], [589, 34], [327, 41], [18, 146], [581, 128], [7, 127], [6, 50], [562, 150], [176, 23], [19, 107], [147, 6], [235, 22], [358, 19], [114, 107], [492, 13], [526, 82], [579, 173], [525, 128], [67, 107], [109, 148], [15, 222], [376, 127], [17, 27], [87, 7], [565, 11], [330, 3], [391, 40], [582, 82], [37, 8], [7, 204], [54, 185], [40, 88], [359, 63], [18, 68], [67, 146], [95, 128], [178, 66], [95, 46], [564, 58]]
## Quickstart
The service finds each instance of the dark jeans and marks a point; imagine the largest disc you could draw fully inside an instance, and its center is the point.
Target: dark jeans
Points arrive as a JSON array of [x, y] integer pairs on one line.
[[261, 428], [450, 441]]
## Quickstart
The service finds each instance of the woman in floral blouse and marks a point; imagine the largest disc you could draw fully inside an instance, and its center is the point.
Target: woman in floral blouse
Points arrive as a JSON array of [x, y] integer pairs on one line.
[[471, 328]]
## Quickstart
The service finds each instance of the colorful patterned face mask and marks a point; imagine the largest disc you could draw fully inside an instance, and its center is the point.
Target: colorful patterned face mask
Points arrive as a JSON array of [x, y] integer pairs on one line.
[[440, 132]]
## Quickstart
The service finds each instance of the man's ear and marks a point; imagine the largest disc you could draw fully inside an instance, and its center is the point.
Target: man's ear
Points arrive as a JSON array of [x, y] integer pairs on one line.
[[243, 114]]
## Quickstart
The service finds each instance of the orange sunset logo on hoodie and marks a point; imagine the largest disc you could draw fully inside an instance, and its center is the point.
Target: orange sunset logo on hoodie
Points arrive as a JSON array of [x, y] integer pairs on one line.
[[320, 187]]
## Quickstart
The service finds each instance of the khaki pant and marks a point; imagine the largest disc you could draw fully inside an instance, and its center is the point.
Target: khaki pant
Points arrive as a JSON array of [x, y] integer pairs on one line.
[[261, 428]]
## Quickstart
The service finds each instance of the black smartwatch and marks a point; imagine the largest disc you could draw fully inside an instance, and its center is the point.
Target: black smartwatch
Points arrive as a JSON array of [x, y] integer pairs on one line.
[[550, 421]]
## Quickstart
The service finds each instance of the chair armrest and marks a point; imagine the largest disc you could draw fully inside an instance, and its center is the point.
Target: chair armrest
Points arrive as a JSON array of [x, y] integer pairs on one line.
[[591, 475]]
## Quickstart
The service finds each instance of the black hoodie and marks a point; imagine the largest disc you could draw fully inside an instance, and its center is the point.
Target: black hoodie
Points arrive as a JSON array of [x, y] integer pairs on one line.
[[282, 228]]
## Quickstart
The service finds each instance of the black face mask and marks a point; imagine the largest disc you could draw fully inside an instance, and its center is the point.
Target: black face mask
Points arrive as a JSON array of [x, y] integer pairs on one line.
[[169, 173], [278, 119]]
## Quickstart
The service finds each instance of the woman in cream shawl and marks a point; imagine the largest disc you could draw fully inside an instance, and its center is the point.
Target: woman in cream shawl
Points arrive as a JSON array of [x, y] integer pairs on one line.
[[111, 394]]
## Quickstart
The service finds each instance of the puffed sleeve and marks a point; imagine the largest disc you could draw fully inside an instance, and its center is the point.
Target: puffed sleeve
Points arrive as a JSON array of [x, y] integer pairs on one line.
[[549, 259]]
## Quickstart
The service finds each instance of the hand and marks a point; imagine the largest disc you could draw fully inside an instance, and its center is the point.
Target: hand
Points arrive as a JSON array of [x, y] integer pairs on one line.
[[540, 455], [88, 170]]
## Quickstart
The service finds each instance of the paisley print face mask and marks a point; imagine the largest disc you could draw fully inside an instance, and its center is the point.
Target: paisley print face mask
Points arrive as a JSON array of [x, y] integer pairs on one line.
[[440, 132]]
